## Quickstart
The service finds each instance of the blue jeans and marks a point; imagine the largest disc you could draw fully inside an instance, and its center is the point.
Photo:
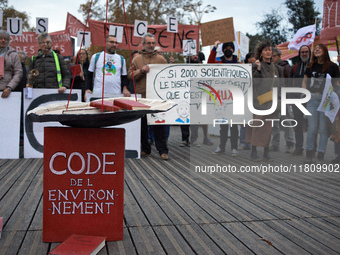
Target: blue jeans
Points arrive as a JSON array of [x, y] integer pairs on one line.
[[316, 123]]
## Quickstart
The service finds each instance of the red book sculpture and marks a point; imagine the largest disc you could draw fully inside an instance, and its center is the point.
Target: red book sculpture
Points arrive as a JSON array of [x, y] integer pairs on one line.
[[80, 245], [107, 106], [130, 104]]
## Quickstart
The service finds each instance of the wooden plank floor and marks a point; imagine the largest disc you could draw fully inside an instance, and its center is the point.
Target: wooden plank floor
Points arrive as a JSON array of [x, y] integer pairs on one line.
[[171, 209]]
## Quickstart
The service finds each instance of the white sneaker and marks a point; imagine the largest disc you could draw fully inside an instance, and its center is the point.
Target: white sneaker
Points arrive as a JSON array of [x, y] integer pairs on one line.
[[196, 144], [234, 153], [218, 151], [184, 143]]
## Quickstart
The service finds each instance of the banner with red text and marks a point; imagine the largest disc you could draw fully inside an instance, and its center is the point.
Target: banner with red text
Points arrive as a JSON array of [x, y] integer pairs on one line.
[[169, 42], [73, 25], [27, 42]]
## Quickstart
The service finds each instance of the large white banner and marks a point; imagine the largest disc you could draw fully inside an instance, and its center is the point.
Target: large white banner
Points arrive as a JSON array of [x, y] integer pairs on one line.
[[175, 82], [10, 125], [132, 129], [34, 131]]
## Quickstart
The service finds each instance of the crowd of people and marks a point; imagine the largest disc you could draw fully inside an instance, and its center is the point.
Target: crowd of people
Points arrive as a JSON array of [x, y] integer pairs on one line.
[[48, 69]]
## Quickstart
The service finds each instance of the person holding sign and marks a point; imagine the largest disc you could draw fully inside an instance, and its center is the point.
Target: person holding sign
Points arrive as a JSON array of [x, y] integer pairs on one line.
[[10, 66], [82, 59], [228, 58], [266, 75], [315, 80], [52, 69], [113, 72], [140, 67]]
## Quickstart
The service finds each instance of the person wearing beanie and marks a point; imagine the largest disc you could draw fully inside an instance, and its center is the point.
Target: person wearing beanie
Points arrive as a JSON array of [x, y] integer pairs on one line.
[[228, 49]]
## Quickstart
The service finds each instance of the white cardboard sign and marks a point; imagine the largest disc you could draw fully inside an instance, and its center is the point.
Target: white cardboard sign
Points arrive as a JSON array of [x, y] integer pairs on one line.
[[117, 31], [141, 28], [10, 125], [14, 26], [87, 38], [41, 25]]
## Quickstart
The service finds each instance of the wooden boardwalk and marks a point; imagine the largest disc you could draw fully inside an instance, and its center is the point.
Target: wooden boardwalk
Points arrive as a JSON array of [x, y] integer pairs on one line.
[[171, 209]]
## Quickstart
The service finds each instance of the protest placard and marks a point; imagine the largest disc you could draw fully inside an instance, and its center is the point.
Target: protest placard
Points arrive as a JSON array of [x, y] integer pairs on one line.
[[177, 82], [219, 30]]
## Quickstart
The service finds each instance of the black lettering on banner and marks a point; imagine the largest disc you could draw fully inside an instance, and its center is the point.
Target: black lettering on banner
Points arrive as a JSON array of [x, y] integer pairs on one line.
[[10, 26], [35, 103], [180, 39], [189, 32], [171, 25], [138, 28], [131, 37], [152, 30], [106, 31], [40, 21], [161, 36], [115, 32]]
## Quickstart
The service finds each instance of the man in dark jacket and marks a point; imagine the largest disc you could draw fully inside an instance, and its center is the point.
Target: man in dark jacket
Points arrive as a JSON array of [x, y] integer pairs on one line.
[[228, 58], [53, 71], [297, 73]]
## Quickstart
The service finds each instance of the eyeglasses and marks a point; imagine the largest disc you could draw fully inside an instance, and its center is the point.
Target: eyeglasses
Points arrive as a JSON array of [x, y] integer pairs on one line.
[[149, 43], [47, 42], [113, 42]]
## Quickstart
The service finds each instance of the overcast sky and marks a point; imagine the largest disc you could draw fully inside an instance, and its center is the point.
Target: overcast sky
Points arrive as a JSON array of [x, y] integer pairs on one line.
[[244, 12]]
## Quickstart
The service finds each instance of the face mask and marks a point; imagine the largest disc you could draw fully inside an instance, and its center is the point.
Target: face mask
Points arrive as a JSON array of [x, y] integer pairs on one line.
[[228, 53], [194, 61]]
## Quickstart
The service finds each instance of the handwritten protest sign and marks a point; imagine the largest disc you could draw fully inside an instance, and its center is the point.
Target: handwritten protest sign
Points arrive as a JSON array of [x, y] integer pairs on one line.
[[219, 30], [178, 82]]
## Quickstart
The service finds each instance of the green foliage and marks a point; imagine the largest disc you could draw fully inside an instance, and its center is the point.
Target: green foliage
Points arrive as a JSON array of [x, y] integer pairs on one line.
[[270, 27], [10, 12], [254, 40], [198, 10], [153, 11], [302, 13]]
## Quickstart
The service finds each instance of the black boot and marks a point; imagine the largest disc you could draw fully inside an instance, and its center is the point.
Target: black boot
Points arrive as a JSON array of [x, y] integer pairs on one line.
[[298, 151], [309, 157], [320, 156], [254, 156], [266, 155]]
